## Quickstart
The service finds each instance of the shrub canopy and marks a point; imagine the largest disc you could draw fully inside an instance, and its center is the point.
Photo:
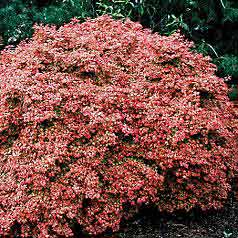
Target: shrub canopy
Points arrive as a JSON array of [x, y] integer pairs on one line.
[[99, 118]]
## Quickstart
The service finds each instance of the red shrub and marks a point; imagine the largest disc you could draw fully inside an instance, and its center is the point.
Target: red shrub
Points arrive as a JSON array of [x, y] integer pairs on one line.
[[101, 117]]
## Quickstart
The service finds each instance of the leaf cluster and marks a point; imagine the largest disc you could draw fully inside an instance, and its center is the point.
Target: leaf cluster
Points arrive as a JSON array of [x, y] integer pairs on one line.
[[100, 118]]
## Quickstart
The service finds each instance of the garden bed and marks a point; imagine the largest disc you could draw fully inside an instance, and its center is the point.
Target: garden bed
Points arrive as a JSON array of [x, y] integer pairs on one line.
[[215, 224]]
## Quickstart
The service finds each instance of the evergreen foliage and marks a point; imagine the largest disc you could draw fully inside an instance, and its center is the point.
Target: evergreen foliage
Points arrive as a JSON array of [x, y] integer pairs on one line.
[[19, 16], [228, 65], [16, 23], [211, 24]]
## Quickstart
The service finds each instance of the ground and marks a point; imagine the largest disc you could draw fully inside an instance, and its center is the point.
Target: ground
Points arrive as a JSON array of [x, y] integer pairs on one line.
[[152, 224], [214, 224]]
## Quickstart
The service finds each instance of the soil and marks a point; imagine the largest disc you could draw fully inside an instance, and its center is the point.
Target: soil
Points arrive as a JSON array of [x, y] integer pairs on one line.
[[149, 223]]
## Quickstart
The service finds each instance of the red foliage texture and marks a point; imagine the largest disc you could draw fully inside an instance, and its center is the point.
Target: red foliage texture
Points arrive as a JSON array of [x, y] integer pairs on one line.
[[99, 118]]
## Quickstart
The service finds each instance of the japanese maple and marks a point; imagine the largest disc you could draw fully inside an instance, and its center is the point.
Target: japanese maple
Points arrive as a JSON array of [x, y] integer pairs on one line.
[[99, 118]]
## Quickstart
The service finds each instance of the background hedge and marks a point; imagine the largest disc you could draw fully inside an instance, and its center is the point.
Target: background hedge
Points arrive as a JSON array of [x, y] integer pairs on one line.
[[211, 24]]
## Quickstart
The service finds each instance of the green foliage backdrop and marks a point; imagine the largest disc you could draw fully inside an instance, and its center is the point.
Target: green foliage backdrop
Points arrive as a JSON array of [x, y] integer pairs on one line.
[[211, 24]]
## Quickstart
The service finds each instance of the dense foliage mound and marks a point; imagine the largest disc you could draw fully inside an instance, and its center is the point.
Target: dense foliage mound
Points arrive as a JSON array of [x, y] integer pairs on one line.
[[99, 118]]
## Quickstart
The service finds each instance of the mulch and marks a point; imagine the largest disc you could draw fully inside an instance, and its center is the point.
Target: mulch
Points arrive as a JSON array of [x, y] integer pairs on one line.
[[150, 223]]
